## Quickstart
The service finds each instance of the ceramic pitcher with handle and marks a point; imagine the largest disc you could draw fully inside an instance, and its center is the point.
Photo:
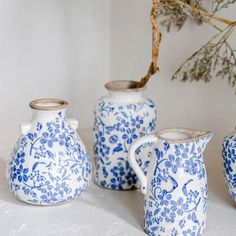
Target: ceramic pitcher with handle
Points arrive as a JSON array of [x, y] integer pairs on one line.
[[175, 187]]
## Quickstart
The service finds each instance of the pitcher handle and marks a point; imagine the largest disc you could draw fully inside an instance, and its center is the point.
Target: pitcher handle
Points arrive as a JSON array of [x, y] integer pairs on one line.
[[134, 146]]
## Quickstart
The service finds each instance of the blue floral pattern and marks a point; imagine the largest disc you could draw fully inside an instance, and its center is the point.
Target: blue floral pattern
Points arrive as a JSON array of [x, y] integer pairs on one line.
[[116, 126], [176, 201], [50, 164], [229, 162]]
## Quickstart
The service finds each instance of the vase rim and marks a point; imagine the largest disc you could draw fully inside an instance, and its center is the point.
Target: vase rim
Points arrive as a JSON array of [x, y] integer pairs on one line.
[[182, 135], [123, 86], [48, 104]]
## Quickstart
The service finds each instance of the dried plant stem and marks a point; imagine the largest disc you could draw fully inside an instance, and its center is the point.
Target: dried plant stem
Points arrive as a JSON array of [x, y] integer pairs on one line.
[[205, 13], [229, 29], [156, 41], [228, 33], [208, 21], [157, 36]]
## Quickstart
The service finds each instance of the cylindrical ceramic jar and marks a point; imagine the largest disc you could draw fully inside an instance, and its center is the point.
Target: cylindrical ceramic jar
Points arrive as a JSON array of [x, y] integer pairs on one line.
[[121, 117], [49, 164], [229, 161]]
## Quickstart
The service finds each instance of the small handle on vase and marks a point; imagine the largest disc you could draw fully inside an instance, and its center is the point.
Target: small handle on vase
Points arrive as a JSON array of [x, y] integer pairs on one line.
[[134, 146], [25, 127], [73, 123]]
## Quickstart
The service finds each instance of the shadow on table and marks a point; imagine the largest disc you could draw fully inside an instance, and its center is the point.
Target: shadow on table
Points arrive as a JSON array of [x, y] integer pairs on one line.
[[5, 194], [127, 204]]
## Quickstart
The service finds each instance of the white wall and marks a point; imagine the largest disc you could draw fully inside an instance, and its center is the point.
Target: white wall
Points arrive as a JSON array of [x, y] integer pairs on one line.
[[52, 48], [69, 49], [209, 106]]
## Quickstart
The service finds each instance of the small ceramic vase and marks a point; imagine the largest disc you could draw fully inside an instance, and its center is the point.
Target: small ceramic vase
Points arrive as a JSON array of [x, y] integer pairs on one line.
[[120, 118], [229, 161], [176, 184], [49, 164]]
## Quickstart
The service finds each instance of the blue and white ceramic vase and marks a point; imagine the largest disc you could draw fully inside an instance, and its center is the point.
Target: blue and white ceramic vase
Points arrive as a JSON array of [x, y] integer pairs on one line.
[[120, 118], [229, 162], [49, 164], [176, 184]]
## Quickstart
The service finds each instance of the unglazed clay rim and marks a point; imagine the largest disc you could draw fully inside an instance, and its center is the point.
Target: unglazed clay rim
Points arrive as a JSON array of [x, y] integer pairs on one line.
[[123, 86], [199, 134], [61, 104]]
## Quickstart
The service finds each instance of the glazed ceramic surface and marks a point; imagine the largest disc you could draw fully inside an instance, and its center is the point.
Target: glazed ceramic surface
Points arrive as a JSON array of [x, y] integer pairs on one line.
[[120, 118], [49, 164], [229, 161], [176, 183]]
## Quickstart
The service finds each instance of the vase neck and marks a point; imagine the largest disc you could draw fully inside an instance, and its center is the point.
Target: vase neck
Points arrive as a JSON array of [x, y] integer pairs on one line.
[[131, 96], [44, 116]]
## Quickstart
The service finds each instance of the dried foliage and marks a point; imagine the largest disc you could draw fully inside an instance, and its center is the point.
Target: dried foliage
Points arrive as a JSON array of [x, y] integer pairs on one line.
[[176, 14], [213, 59], [216, 58], [217, 5]]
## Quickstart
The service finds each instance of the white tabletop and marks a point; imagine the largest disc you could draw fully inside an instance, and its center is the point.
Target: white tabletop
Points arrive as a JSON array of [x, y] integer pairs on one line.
[[100, 212]]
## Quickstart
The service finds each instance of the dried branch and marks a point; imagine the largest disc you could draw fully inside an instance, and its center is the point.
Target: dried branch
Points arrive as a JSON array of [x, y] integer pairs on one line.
[[214, 58], [156, 41], [217, 5], [177, 13], [180, 10]]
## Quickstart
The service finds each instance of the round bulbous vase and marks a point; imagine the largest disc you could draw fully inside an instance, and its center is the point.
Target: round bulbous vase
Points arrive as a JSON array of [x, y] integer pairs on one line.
[[120, 118], [229, 162], [49, 164]]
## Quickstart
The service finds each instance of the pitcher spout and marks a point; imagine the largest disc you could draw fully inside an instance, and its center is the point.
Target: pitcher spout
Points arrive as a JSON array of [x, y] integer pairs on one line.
[[204, 139], [183, 135]]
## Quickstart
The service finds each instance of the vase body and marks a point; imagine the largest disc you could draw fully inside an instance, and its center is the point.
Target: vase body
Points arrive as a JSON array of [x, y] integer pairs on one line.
[[120, 118], [229, 162], [176, 184], [49, 164]]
